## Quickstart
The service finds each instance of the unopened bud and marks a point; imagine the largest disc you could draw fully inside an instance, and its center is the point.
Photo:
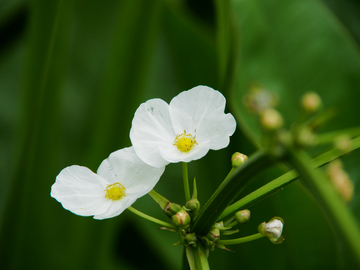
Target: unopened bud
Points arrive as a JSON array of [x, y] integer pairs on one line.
[[181, 218], [238, 159], [340, 180], [271, 119], [259, 99], [306, 137], [193, 205], [242, 216], [190, 239], [343, 143], [213, 235], [311, 102], [272, 229]]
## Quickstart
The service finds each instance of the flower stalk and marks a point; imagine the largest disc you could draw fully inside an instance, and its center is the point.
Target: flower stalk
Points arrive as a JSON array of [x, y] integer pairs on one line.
[[338, 214], [229, 189], [186, 181], [150, 218], [241, 240]]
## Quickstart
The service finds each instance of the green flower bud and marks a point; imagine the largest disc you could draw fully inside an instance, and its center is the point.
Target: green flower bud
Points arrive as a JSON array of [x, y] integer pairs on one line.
[[193, 205], [181, 218], [271, 119], [306, 137], [242, 216], [190, 239], [311, 102], [343, 143], [213, 235], [238, 159]]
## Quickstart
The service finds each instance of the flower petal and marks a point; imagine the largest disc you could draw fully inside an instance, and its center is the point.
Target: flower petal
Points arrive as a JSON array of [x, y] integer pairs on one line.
[[125, 167], [117, 207], [81, 191], [151, 129], [200, 112]]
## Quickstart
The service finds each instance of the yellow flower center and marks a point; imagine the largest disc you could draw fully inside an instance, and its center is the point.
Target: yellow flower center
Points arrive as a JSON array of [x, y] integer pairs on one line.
[[185, 142], [115, 191]]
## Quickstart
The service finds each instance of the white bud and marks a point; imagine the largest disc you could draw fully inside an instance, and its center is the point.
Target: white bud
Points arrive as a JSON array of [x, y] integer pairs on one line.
[[274, 228]]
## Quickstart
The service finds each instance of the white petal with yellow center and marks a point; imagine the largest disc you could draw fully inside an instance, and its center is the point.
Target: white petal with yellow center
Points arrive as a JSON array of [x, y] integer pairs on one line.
[[198, 112], [120, 180]]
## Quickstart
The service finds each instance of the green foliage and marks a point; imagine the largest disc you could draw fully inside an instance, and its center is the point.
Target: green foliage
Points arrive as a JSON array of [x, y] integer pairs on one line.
[[72, 74]]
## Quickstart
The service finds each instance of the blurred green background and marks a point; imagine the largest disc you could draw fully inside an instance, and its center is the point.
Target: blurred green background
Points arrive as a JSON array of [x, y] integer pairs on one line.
[[72, 74]]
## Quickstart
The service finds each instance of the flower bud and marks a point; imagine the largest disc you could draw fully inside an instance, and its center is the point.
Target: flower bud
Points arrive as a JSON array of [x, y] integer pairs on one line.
[[181, 218], [343, 143], [259, 99], [238, 159], [272, 229], [193, 205], [271, 119], [213, 235], [242, 216], [190, 239], [340, 180], [306, 137], [311, 102]]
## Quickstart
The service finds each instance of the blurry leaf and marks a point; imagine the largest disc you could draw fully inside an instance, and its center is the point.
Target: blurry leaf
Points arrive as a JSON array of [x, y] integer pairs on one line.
[[37, 145]]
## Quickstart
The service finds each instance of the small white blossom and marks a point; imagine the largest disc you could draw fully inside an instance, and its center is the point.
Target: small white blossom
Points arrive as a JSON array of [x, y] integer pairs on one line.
[[274, 228], [120, 180], [184, 130]]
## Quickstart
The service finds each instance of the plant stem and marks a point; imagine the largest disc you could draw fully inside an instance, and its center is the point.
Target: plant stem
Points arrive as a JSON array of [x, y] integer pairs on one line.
[[337, 212], [197, 257], [285, 179], [152, 219], [228, 190], [186, 181], [240, 240]]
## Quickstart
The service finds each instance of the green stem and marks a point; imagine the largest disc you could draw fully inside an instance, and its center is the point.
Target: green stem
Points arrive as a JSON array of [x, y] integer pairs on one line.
[[285, 179], [152, 219], [329, 136], [197, 257], [241, 240], [186, 261], [200, 257], [228, 190], [337, 212], [186, 181]]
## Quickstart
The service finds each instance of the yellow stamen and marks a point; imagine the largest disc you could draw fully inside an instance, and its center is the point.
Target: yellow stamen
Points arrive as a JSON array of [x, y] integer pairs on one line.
[[115, 191], [185, 142]]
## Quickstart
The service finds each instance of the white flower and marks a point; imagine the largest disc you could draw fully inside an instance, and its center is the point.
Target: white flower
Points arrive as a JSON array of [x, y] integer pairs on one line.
[[120, 180], [186, 129]]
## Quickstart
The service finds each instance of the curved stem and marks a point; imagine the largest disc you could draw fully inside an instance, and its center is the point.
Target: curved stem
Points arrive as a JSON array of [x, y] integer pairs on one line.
[[285, 179], [337, 212], [186, 181], [241, 240], [150, 218], [228, 190]]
